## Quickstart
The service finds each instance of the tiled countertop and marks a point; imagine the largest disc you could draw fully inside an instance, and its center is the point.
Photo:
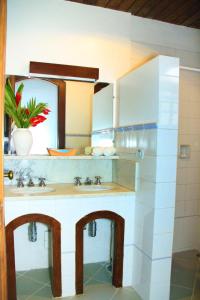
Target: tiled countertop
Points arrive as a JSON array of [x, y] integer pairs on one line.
[[64, 190]]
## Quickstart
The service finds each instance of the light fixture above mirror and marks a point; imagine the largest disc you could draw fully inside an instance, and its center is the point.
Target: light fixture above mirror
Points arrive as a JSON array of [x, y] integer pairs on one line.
[[66, 72]]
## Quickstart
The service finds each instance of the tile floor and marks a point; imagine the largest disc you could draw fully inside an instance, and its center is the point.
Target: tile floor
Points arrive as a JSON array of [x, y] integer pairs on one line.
[[185, 282], [185, 276]]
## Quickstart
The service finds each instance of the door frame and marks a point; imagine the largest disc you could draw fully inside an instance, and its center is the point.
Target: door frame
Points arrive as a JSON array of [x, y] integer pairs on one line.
[[3, 274], [118, 255]]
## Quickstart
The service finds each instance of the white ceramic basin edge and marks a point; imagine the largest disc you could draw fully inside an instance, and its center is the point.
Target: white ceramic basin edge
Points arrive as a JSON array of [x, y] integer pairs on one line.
[[32, 190], [93, 188]]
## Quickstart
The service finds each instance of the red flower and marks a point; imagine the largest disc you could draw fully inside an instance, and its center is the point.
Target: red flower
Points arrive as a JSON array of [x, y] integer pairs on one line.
[[18, 98], [36, 120], [27, 112], [46, 111]]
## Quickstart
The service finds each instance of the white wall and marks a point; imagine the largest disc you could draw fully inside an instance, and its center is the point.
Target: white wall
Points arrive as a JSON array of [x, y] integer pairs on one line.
[[68, 34], [72, 33]]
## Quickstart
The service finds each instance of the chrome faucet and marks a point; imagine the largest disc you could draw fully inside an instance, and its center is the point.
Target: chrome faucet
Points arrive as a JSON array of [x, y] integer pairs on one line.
[[42, 181], [30, 182], [77, 180], [20, 182], [88, 181], [98, 180]]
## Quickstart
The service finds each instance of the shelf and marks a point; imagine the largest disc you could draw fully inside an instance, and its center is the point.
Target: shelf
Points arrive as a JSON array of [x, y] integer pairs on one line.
[[44, 157]]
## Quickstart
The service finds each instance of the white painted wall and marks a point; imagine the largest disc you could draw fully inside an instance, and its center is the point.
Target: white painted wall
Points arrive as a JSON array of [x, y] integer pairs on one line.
[[68, 34], [72, 33]]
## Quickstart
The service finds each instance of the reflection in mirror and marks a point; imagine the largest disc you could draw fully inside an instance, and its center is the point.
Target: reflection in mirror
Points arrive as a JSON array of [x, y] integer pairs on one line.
[[49, 134], [76, 113], [78, 123], [44, 134]]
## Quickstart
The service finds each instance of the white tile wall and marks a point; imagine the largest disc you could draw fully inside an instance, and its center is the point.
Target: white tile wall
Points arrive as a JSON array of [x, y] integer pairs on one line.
[[155, 185], [160, 285], [186, 235], [63, 170]]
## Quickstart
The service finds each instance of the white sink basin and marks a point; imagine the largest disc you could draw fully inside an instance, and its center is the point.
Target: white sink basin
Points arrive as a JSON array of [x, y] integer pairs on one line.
[[32, 190], [94, 188]]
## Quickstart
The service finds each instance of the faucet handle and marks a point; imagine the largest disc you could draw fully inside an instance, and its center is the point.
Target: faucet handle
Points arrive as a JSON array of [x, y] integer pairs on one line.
[[98, 180], [42, 181], [30, 182], [77, 180], [88, 181], [20, 182]]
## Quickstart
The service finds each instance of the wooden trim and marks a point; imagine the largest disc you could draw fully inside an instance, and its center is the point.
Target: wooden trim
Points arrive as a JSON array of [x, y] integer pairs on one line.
[[56, 246], [118, 246], [63, 70], [3, 281], [99, 86], [61, 103]]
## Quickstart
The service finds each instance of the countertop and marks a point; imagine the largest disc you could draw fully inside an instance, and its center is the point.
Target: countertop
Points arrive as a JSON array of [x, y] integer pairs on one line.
[[66, 190]]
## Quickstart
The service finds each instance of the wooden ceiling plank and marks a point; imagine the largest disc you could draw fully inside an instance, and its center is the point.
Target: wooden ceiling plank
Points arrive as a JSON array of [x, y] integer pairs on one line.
[[137, 5], [102, 3], [158, 8], [192, 19], [180, 12], [170, 10], [126, 5], [77, 1], [89, 2], [185, 10], [176, 10], [113, 4], [148, 7]]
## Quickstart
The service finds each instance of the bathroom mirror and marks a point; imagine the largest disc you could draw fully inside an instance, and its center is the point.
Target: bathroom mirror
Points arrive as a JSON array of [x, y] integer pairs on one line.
[[51, 133], [75, 109]]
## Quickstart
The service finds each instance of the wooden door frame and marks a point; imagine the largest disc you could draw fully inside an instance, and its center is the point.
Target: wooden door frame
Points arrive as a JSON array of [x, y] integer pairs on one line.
[[56, 251], [118, 254], [3, 275]]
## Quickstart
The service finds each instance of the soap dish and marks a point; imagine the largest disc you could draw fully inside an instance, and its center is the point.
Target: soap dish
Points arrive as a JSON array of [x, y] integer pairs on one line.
[[62, 152]]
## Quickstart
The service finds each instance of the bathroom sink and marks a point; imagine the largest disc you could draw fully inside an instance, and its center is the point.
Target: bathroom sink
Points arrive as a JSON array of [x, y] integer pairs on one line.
[[32, 190], [94, 188]]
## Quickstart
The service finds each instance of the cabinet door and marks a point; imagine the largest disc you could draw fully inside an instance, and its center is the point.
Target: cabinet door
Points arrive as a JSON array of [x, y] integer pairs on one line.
[[102, 112]]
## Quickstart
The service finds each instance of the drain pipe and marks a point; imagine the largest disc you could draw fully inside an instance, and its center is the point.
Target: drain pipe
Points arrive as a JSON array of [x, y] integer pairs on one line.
[[92, 228], [32, 232]]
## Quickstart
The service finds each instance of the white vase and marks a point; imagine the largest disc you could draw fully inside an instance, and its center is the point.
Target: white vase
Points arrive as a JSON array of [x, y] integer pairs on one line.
[[23, 140]]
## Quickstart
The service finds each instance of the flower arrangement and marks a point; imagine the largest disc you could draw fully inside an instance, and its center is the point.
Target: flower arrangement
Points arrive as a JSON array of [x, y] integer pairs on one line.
[[26, 116]]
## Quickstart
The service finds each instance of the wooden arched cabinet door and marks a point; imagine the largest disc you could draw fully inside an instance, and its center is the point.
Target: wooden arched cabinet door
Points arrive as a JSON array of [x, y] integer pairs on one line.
[[56, 251], [118, 246], [3, 285]]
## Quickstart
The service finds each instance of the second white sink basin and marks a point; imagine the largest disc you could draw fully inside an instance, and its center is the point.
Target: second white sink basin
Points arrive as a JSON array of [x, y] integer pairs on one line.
[[94, 188], [32, 190]]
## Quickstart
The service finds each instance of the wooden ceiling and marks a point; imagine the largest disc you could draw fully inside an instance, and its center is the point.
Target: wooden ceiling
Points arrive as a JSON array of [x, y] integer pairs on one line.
[[180, 12]]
